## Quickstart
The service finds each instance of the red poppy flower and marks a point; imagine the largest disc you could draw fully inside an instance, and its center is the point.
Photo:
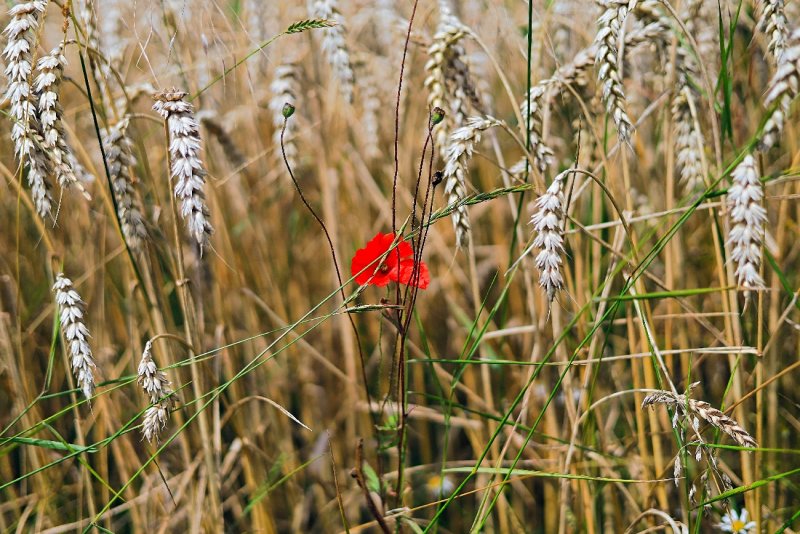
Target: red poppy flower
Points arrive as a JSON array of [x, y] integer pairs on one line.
[[397, 264]]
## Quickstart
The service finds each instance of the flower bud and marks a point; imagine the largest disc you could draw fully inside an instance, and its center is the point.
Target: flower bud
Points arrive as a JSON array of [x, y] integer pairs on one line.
[[288, 110], [437, 115]]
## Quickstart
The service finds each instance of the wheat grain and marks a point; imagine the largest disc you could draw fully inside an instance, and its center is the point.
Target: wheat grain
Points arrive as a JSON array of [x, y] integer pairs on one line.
[[532, 108], [112, 24], [783, 89], [210, 120], [699, 409], [119, 155], [613, 94], [572, 73], [284, 90], [747, 218], [549, 236], [370, 106], [440, 53], [156, 386], [28, 142], [458, 154], [186, 166], [50, 70], [154, 382], [155, 419], [688, 141], [773, 23], [334, 45], [73, 325]]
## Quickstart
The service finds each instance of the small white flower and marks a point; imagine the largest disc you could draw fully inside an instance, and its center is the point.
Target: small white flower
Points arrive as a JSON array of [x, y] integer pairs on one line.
[[736, 523], [440, 486]]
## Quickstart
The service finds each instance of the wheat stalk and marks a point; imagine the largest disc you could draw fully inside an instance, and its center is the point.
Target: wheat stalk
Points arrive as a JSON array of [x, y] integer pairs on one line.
[[72, 311], [186, 166]]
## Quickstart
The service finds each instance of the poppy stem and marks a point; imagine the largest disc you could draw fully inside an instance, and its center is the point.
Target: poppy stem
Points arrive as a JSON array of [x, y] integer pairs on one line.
[[402, 334], [335, 265], [410, 296]]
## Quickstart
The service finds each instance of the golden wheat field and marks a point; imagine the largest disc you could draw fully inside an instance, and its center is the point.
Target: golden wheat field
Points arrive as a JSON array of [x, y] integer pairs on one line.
[[413, 266]]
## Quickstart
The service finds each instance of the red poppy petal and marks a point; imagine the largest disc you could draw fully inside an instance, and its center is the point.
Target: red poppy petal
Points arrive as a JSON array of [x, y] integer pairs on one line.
[[398, 263], [364, 265], [407, 276]]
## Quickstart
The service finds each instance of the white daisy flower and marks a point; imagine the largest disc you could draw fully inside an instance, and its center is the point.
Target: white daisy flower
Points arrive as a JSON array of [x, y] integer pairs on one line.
[[737, 523], [440, 486]]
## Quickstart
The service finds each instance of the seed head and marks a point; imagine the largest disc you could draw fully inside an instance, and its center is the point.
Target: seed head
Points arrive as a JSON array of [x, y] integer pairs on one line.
[[437, 115]]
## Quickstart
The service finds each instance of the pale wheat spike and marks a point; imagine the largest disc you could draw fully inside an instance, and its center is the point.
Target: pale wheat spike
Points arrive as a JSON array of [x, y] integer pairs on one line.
[[155, 419], [40, 168], [112, 26], [262, 21], [747, 217], [611, 22], [284, 90], [458, 154], [694, 408], [370, 112], [73, 326], [574, 72], [688, 141], [88, 15], [120, 158], [334, 45], [154, 381], [156, 386], [18, 53], [532, 109], [774, 24], [448, 34], [186, 166], [21, 32], [459, 86], [50, 71], [783, 89], [549, 236], [212, 123]]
